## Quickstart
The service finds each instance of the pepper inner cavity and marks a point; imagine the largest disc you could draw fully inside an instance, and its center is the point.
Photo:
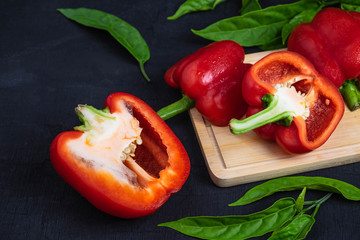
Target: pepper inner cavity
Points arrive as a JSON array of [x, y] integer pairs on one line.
[[302, 84], [151, 155], [274, 71]]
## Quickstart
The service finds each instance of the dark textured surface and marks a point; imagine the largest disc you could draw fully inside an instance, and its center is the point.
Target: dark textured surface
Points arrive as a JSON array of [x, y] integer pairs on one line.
[[49, 64]]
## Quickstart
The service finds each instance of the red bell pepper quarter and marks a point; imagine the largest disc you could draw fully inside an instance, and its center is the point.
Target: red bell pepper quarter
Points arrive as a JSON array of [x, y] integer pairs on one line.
[[124, 159], [212, 78], [302, 108], [331, 42]]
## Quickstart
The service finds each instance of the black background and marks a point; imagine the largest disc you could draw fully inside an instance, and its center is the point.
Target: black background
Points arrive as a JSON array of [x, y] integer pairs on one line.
[[49, 64]]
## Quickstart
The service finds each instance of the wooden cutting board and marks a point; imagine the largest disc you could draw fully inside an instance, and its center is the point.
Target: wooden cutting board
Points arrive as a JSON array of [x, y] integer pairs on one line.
[[238, 159]]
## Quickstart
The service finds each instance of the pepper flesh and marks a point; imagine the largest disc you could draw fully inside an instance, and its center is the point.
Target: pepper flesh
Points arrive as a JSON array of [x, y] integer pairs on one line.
[[323, 100], [159, 165], [212, 77], [331, 42]]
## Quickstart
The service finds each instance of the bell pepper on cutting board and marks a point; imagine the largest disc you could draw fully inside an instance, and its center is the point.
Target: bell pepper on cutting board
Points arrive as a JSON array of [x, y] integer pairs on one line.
[[331, 42], [211, 80], [124, 159], [290, 102]]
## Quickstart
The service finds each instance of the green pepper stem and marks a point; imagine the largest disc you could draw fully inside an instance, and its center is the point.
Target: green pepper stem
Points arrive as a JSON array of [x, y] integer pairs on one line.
[[350, 91], [88, 116], [182, 105], [274, 112], [142, 69]]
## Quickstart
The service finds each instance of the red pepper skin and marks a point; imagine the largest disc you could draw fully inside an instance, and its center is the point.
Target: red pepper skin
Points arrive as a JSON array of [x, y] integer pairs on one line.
[[212, 77], [326, 104], [331, 42], [122, 199]]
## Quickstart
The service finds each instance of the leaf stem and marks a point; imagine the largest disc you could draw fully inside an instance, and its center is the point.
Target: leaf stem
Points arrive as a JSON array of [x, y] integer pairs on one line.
[[317, 204], [310, 202], [326, 197], [142, 69]]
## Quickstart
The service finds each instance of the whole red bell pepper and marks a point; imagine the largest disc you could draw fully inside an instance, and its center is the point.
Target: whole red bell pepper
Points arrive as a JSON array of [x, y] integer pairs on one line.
[[331, 42], [302, 108], [124, 159], [211, 77]]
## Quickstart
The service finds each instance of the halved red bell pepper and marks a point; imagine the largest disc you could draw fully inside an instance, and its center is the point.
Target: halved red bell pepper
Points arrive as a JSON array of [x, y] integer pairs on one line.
[[331, 42], [124, 159], [212, 78], [302, 108]]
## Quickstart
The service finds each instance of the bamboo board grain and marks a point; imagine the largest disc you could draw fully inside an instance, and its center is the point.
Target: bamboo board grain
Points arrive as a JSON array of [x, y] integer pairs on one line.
[[238, 159]]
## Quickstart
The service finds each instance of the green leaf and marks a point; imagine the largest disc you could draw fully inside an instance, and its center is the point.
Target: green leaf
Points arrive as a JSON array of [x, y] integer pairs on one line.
[[297, 183], [128, 36], [276, 43], [194, 6], [258, 27], [297, 229], [299, 204], [249, 6], [303, 17], [350, 5], [236, 227]]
